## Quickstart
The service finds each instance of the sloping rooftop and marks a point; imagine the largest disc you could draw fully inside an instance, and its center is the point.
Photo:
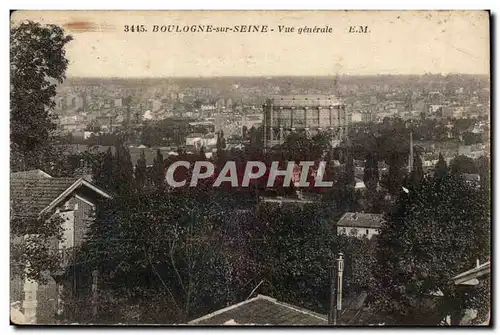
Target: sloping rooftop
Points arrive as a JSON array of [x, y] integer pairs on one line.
[[361, 220], [31, 192], [470, 277], [262, 310]]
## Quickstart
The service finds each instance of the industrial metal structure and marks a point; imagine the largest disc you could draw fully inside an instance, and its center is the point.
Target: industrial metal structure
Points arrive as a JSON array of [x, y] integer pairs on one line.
[[284, 114]]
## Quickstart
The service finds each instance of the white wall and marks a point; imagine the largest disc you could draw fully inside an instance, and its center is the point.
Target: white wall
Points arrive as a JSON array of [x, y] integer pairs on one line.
[[359, 232]]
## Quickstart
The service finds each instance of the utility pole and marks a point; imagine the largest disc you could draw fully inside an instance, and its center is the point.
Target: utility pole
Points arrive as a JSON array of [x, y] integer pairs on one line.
[[410, 158], [336, 292], [340, 272]]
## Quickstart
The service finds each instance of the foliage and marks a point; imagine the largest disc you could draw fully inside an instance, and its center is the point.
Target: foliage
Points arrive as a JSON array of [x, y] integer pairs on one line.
[[140, 172], [371, 174], [158, 171], [441, 168], [394, 179], [417, 172], [102, 170], [171, 246], [37, 64], [359, 254], [463, 164], [299, 147], [296, 248], [436, 231], [34, 246]]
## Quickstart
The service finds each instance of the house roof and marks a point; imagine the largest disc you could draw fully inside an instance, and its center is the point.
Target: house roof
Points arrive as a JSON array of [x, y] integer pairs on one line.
[[262, 310], [35, 192], [361, 220], [471, 276]]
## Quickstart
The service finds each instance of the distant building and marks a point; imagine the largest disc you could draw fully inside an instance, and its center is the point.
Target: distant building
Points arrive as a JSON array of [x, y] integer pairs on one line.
[[360, 224], [284, 114], [360, 116], [356, 117], [194, 139]]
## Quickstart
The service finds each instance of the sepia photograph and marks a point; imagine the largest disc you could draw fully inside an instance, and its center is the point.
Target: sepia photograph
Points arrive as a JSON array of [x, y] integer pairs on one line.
[[250, 168]]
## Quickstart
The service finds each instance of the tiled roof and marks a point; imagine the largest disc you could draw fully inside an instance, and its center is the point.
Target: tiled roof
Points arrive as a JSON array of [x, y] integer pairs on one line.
[[30, 193], [262, 310], [361, 220], [480, 271]]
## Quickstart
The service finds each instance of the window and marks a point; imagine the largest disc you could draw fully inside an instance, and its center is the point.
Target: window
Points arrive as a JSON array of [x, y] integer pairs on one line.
[[367, 232]]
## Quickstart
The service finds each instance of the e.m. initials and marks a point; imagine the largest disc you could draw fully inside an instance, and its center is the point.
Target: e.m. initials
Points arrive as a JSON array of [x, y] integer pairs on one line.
[[359, 29]]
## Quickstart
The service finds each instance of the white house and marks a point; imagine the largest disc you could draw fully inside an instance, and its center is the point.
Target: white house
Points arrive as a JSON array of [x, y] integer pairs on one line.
[[360, 224]]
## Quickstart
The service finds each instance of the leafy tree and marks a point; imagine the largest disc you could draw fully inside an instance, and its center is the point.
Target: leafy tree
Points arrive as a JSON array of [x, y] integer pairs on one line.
[[158, 170], [34, 245], [417, 172], [298, 146], [463, 164], [141, 171], [349, 169], [394, 179], [370, 174], [484, 170], [359, 254], [177, 249], [123, 170], [102, 172], [441, 168], [37, 64], [221, 146], [255, 136], [437, 230], [202, 154], [296, 248]]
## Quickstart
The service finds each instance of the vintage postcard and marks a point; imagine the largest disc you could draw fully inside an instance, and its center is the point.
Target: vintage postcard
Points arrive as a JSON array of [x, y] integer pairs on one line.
[[273, 168]]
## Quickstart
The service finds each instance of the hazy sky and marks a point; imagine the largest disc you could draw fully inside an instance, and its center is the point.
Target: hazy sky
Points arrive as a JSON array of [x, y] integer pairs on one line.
[[399, 42]]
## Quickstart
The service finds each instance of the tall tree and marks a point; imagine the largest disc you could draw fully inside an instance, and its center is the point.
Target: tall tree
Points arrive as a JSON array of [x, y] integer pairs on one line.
[[102, 172], [37, 63], [123, 170], [349, 169], [417, 172], [484, 170], [463, 164], [296, 248], [441, 168], [396, 174], [370, 173], [437, 230], [158, 170], [170, 249], [141, 171]]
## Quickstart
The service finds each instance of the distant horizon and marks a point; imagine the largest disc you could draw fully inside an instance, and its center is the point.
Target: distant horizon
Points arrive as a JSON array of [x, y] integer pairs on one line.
[[290, 75]]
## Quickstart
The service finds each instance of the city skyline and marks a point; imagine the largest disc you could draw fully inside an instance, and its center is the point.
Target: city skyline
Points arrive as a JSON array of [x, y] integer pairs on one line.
[[443, 42]]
